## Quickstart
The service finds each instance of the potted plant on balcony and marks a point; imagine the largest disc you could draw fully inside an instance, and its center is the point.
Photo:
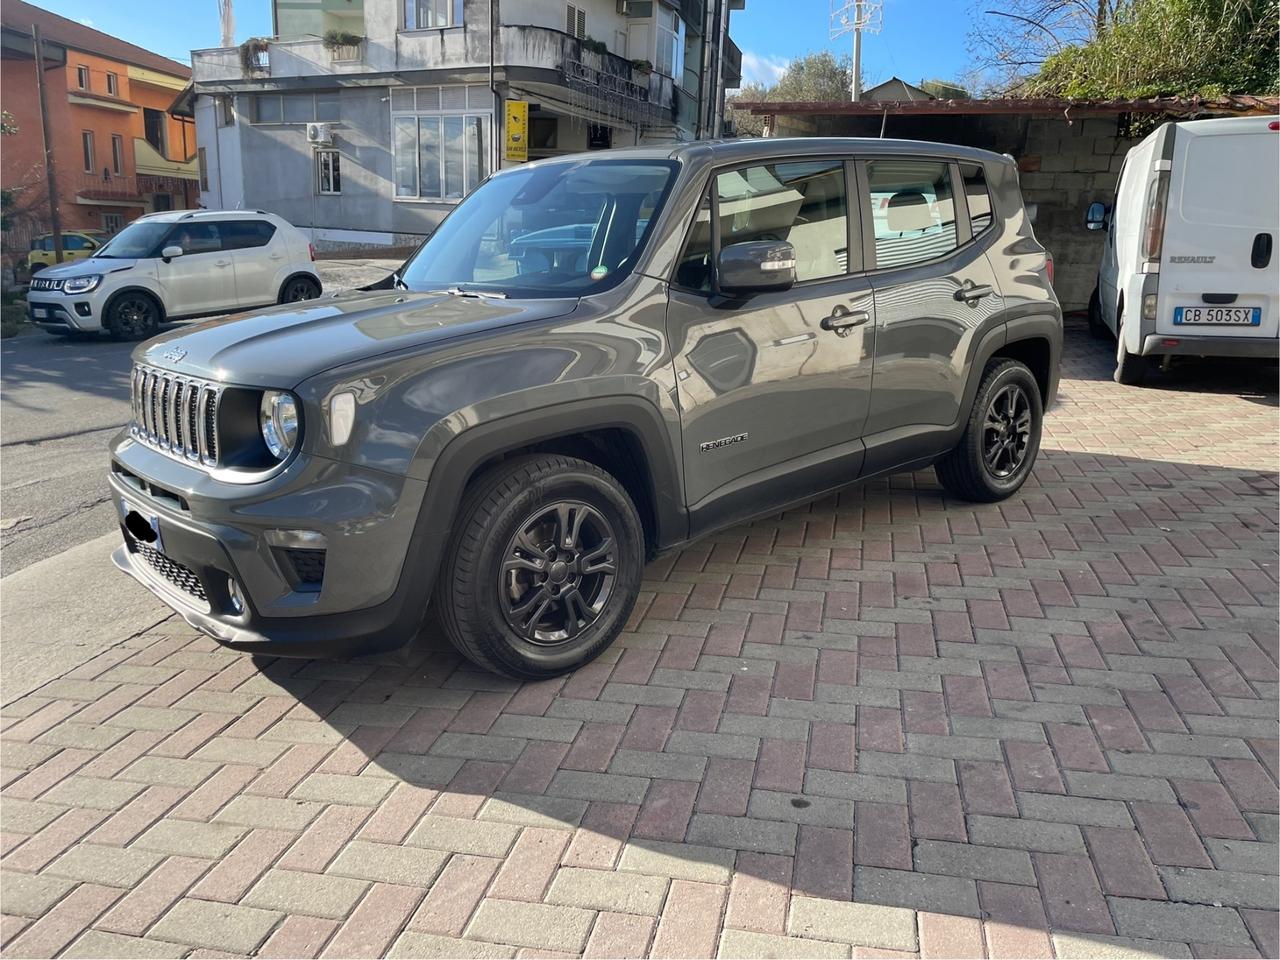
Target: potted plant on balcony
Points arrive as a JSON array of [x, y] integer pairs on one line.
[[342, 45], [643, 67], [253, 55]]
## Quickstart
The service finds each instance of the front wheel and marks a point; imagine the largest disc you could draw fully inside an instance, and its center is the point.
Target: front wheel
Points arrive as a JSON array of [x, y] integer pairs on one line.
[[133, 316], [999, 445], [543, 567]]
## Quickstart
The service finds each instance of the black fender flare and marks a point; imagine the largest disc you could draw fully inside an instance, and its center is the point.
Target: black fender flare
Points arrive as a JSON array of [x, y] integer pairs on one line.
[[460, 459]]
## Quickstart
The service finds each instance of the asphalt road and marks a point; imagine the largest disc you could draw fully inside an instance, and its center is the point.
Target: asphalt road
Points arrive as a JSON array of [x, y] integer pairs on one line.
[[61, 402]]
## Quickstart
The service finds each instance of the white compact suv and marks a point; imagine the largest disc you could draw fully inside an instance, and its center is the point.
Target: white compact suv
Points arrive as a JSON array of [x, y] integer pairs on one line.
[[173, 266]]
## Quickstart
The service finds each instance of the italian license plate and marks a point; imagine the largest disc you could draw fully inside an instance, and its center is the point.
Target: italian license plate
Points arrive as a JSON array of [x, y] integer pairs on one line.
[[39, 313], [1218, 316]]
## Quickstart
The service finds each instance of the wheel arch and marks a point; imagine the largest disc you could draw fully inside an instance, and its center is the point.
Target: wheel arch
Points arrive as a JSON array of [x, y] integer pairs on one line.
[[298, 275], [133, 288]]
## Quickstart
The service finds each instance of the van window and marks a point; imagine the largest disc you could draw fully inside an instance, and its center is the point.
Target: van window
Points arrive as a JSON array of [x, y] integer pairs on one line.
[[912, 210], [977, 195]]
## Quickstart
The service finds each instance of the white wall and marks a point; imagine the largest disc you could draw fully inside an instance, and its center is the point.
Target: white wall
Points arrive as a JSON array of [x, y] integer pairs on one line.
[[222, 157]]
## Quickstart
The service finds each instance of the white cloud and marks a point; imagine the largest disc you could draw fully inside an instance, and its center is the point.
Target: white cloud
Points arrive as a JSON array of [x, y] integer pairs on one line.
[[762, 68]]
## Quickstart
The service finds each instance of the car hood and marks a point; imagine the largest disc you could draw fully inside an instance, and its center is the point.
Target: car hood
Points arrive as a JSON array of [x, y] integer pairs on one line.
[[282, 346], [84, 268]]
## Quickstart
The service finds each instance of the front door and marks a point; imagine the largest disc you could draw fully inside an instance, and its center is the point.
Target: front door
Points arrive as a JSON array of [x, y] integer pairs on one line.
[[772, 403], [935, 294], [203, 279]]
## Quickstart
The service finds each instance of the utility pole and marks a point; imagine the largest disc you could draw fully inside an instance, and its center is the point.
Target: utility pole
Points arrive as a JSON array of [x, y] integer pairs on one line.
[[50, 180], [855, 86], [856, 17]]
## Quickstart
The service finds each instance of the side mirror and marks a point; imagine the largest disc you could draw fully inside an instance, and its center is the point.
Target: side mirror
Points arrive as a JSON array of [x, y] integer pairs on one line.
[[756, 266], [171, 251], [1095, 218]]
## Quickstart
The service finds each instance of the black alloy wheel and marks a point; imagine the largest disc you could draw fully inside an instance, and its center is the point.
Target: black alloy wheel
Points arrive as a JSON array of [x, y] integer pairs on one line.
[[1006, 432]]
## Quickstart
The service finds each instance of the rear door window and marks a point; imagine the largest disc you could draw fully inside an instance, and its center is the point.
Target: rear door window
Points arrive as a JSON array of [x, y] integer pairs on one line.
[[912, 210], [243, 234], [977, 195]]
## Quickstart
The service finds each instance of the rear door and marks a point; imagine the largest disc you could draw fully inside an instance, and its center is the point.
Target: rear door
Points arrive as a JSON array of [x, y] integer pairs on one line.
[[202, 280], [1218, 264], [772, 401], [935, 293], [258, 252]]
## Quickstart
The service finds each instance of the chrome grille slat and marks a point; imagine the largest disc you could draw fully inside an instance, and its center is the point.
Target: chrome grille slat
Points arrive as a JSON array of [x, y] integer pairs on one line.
[[175, 414]]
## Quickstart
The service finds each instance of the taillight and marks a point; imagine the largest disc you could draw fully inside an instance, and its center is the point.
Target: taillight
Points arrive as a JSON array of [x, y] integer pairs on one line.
[[311, 249], [1274, 125], [1153, 217], [1048, 266]]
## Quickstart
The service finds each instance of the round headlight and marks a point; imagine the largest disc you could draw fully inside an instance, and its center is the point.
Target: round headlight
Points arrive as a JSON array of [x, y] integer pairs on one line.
[[279, 419]]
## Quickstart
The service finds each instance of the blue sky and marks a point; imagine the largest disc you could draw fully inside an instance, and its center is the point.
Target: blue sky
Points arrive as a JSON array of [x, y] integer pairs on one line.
[[920, 39]]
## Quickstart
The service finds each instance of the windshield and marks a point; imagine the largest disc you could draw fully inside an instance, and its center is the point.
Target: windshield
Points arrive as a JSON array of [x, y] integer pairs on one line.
[[560, 230], [138, 239]]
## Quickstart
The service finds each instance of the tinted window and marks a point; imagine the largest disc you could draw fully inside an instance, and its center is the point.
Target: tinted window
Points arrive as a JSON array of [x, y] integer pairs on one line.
[[195, 237], [802, 203], [240, 234], [912, 209], [976, 193]]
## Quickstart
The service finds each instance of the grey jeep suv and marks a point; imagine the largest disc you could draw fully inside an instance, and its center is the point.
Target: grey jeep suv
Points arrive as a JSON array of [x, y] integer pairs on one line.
[[591, 360]]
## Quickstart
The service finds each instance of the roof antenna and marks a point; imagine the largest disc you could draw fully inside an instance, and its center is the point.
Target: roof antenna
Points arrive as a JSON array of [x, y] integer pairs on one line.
[[227, 20]]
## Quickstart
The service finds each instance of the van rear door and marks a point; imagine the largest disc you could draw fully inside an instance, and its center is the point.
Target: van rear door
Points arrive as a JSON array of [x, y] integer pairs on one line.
[[1218, 268]]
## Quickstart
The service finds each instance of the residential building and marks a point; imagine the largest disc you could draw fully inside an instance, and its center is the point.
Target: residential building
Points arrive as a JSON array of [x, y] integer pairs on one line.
[[367, 120], [118, 151]]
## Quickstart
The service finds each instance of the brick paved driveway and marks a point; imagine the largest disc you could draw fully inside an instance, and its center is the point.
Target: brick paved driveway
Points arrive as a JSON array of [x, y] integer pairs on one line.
[[882, 725]]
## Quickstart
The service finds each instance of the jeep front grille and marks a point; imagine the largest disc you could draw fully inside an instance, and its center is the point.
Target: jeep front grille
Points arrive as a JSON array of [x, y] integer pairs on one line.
[[177, 415]]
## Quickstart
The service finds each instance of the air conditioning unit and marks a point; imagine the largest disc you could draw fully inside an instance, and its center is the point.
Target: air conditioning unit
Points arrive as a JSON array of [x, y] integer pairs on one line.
[[624, 8], [319, 134]]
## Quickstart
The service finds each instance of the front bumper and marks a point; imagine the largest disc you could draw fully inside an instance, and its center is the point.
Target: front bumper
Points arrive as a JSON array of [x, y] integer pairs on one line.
[[211, 557], [1196, 345], [63, 313]]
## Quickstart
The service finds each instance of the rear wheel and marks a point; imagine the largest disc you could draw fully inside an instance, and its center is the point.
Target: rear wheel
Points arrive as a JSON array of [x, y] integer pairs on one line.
[[543, 568], [999, 445], [133, 315], [1131, 368], [299, 288]]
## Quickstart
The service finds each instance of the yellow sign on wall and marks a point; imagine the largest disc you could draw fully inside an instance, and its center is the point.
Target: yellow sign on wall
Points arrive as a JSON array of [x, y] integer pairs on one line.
[[517, 130]]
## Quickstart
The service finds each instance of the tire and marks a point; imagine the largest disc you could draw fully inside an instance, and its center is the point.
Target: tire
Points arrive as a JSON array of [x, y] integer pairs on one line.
[[1131, 369], [506, 587], [1097, 326], [133, 315], [969, 470], [296, 289]]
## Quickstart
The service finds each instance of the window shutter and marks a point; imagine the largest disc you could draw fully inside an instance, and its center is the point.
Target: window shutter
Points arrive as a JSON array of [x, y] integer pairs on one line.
[[582, 24], [571, 20]]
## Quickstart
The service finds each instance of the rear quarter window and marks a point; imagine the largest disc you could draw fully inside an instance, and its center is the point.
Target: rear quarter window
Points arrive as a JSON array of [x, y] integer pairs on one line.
[[978, 196]]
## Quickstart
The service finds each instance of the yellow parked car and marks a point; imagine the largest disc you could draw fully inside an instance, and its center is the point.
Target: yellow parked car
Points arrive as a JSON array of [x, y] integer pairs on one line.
[[76, 245]]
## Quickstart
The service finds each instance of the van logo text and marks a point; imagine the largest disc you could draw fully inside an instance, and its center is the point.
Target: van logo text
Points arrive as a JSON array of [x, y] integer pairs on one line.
[[1192, 259]]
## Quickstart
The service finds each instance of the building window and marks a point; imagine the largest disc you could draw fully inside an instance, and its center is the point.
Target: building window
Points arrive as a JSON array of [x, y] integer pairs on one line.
[[86, 143], [670, 44], [913, 211], [113, 84], [440, 140], [427, 14], [203, 163], [267, 108], [575, 21], [117, 154], [153, 128], [295, 107], [328, 172], [82, 77], [112, 222], [224, 111]]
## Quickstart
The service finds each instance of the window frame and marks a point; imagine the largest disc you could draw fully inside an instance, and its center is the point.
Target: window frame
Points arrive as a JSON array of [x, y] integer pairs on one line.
[[163, 148], [855, 260], [964, 230], [89, 151], [337, 156], [83, 78], [117, 155], [112, 218], [455, 7], [488, 121], [113, 84]]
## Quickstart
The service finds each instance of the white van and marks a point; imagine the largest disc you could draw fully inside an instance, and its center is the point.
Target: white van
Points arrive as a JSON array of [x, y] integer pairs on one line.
[[1190, 265]]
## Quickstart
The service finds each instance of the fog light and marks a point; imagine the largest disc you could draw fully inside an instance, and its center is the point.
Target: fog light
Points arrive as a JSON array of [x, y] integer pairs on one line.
[[84, 309], [233, 596], [1149, 307]]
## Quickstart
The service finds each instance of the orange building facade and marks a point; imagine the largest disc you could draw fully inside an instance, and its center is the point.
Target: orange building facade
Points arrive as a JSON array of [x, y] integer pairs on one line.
[[118, 151]]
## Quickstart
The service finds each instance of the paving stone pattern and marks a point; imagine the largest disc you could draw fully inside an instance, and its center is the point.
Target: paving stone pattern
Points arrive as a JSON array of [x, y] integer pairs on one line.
[[884, 724]]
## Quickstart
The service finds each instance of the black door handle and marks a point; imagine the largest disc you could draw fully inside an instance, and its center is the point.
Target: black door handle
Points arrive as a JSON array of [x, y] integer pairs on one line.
[[972, 292], [1261, 255], [842, 320]]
